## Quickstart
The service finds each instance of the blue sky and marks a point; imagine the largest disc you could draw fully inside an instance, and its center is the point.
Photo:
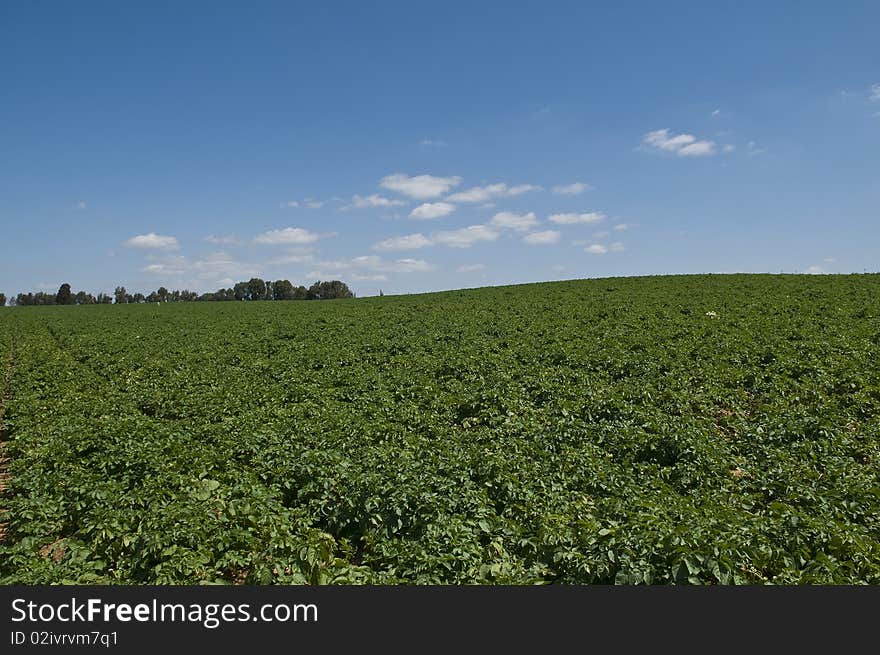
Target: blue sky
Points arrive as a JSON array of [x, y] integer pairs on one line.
[[414, 146]]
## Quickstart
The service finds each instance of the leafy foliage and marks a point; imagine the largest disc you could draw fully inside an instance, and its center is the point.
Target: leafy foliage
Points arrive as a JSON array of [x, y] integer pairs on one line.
[[686, 430]]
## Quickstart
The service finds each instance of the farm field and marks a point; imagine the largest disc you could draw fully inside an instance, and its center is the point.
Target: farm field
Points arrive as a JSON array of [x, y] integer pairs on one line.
[[705, 429]]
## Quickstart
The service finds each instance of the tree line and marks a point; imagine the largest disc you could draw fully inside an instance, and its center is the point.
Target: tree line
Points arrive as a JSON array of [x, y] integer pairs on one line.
[[253, 289]]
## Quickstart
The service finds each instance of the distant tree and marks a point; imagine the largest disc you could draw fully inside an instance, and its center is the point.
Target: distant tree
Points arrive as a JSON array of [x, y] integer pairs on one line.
[[2, 299], [256, 289], [241, 291], [282, 290], [329, 290], [342, 290], [253, 289], [380, 293], [221, 294], [64, 297]]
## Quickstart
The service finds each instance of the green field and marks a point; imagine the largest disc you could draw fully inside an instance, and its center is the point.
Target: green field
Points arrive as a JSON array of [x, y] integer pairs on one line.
[[596, 431]]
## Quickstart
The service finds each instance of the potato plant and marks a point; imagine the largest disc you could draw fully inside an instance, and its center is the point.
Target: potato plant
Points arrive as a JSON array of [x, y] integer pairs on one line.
[[660, 430]]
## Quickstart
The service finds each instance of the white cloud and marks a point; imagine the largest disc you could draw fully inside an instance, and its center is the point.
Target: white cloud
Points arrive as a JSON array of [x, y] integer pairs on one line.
[[165, 268], [601, 235], [372, 263], [359, 202], [311, 203], [717, 112], [334, 265], [406, 266], [601, 249], [753, 149], [697, 149], [683, 145], [661, 139], [81, 204], [572, 219], [815, 270], [491, 191], [224, 240], [152, 241], [433, 142], [466, 236], [375, 263], [621, 227], [420, 187], [479, 194], [547, 237], [431, 210], [359, 277], [367, 261], [408, 242], [220, 265], [523, 188], [287, 236], [470, 268], [518, 222], [574, 189], [212, 270], [294, 257], [874, 93]]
